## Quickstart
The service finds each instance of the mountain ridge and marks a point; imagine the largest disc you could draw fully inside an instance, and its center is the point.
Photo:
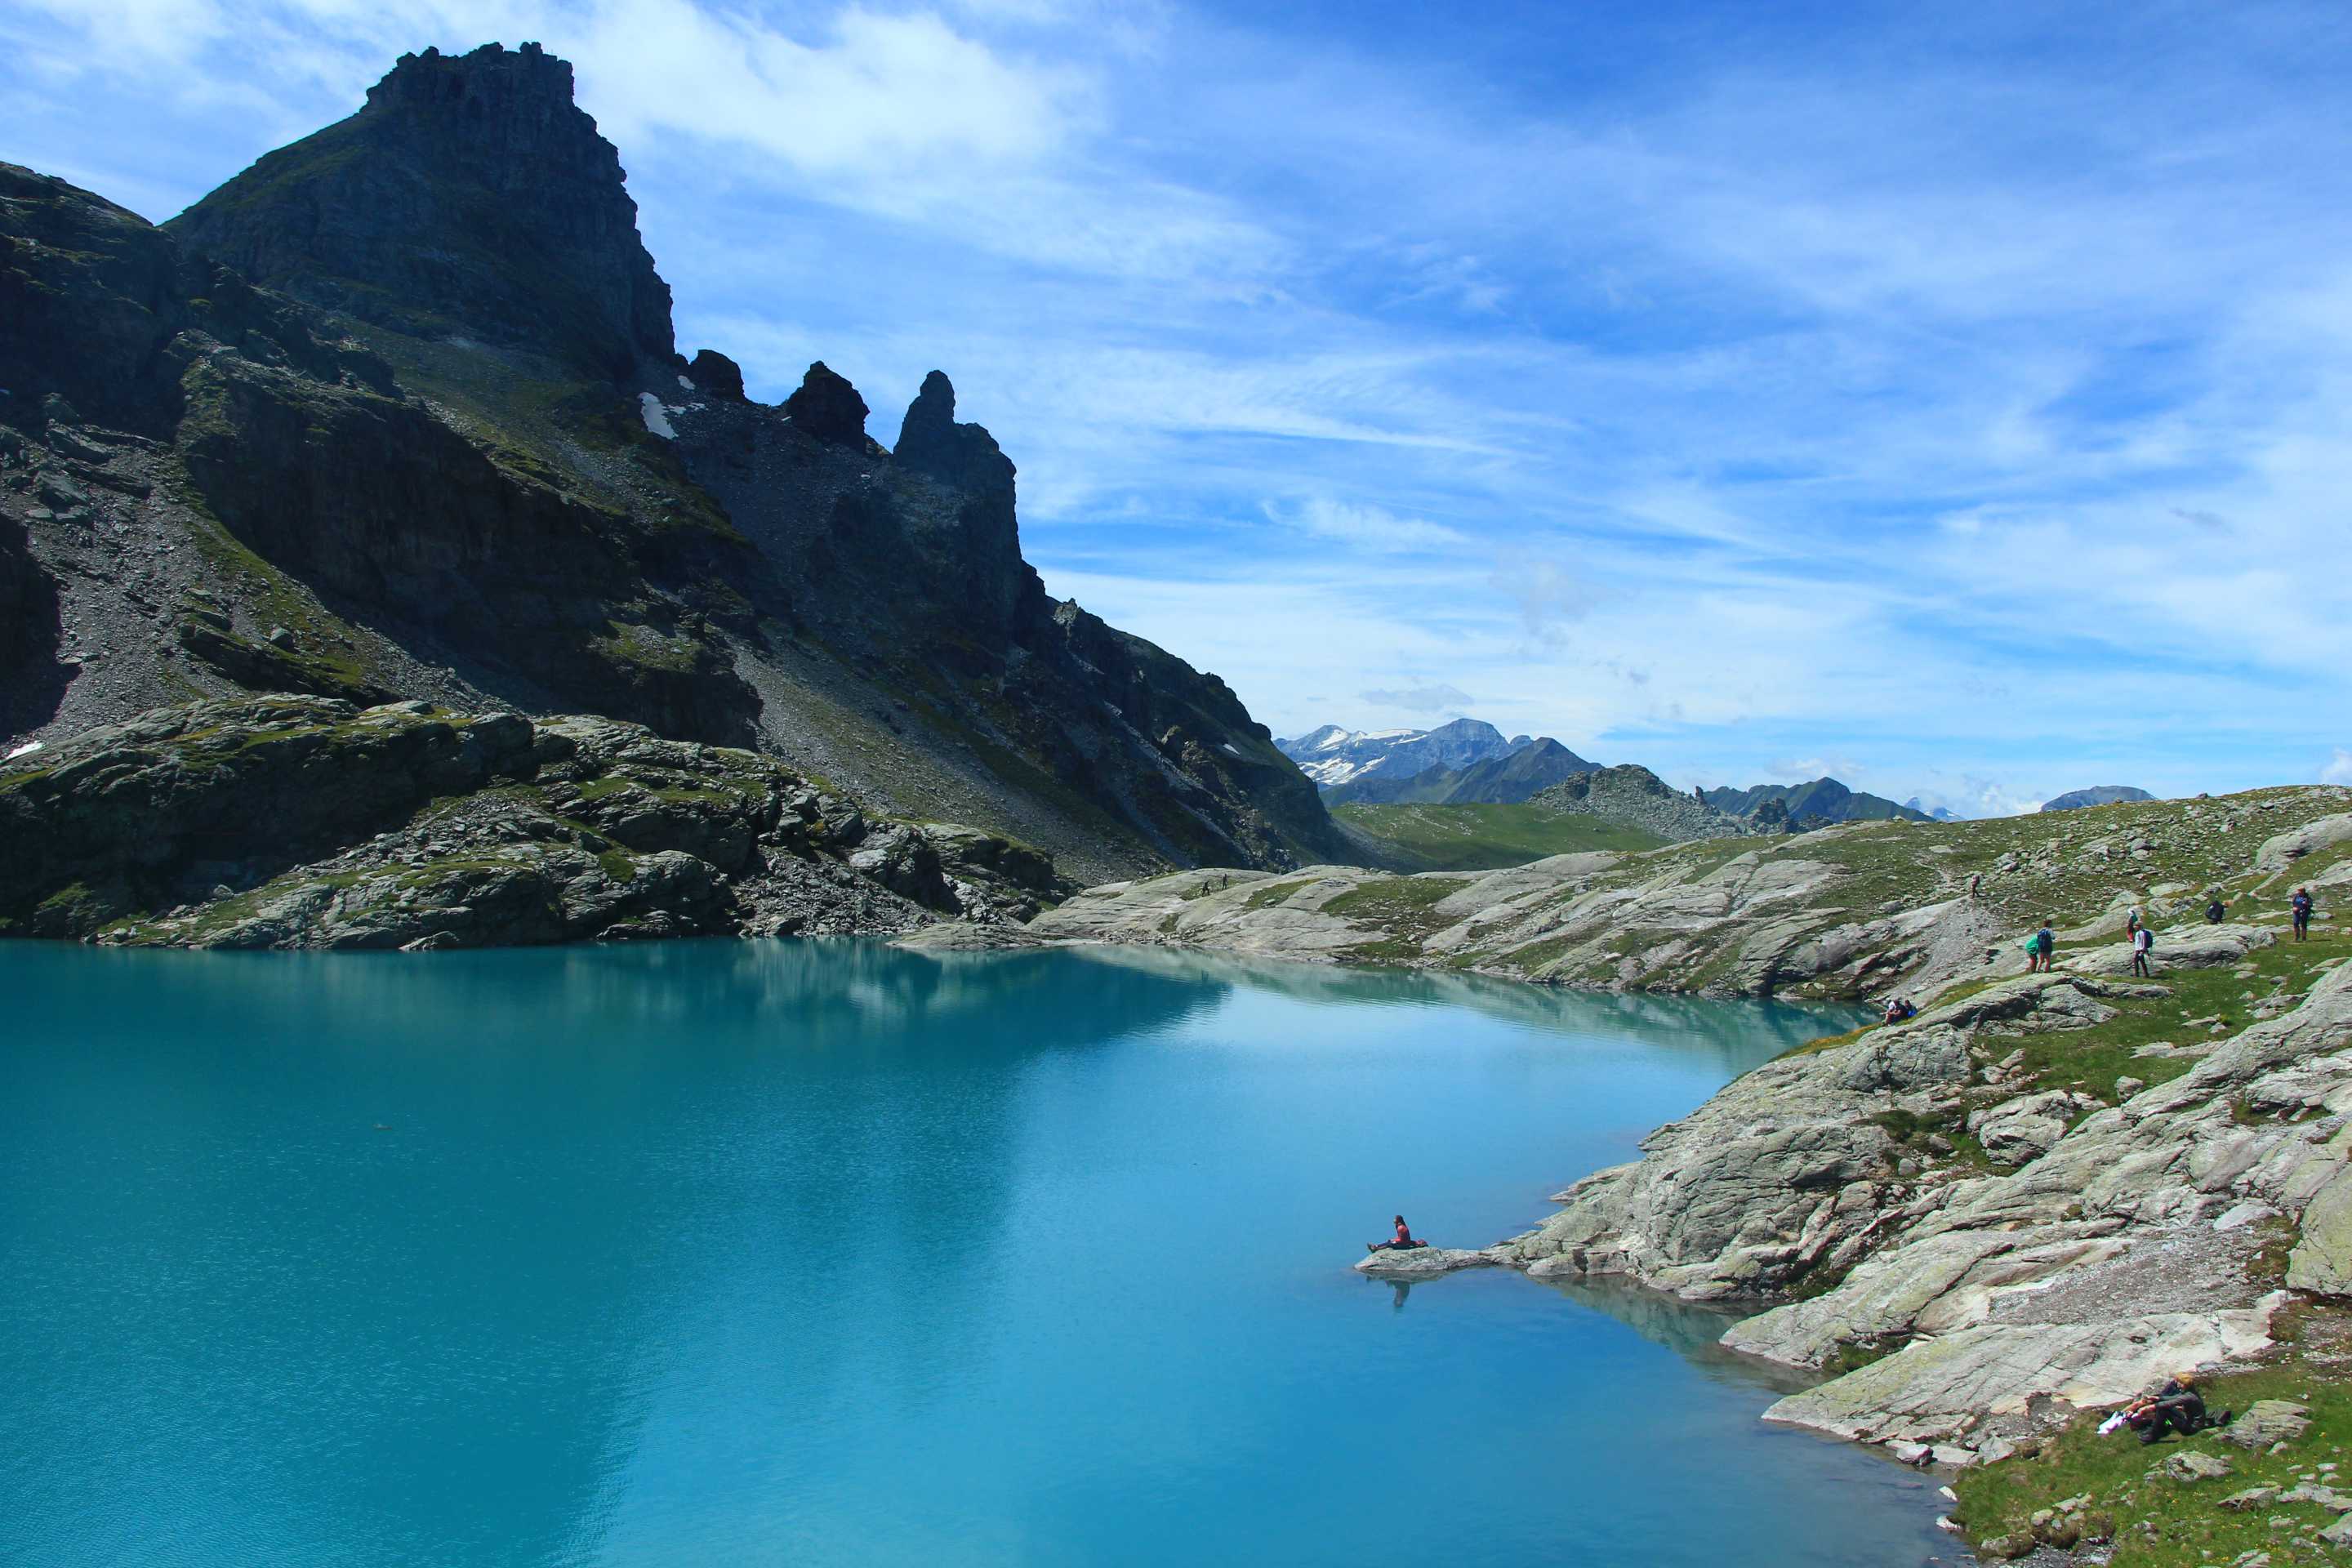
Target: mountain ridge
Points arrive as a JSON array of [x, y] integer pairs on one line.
[[433, 438], [1506, 779]]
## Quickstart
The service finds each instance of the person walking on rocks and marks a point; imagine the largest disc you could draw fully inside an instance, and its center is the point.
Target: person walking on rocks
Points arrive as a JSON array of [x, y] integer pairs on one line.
[[2300, 905], [2038, 947], [2142, 940]]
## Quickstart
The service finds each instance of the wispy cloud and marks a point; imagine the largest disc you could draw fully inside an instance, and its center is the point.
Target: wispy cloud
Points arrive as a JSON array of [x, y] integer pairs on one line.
[[1437, 698], [1979, 419]]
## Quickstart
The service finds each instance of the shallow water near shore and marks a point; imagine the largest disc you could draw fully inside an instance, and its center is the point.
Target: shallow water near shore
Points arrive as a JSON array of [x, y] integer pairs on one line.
[[819, 1253]]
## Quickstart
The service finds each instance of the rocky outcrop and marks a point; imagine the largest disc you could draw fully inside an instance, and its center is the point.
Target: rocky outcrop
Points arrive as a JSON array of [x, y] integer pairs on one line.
[[1638, 799], [1426, 1262], [293, 822], [2112, 1254], [2280, 853], [713, 374], [469, 197], [827, 408]]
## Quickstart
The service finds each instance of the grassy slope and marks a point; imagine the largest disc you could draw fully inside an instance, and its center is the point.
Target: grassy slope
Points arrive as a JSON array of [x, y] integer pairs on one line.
[[2031, 867], [1485, 837], [2164, 1523]]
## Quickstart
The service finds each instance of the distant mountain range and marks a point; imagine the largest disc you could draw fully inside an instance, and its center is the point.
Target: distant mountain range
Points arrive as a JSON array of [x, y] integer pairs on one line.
[[1332, 756], [1818, 800], [1469, 761], [2097, 794], [1507, 778]]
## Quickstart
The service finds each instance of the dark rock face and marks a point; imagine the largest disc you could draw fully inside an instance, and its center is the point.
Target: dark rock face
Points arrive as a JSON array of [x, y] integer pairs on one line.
[[304, 446], [469, 197], [462, 459], [714, 373], [827, 408], [1639, 798], [307, 822], [965, 457]]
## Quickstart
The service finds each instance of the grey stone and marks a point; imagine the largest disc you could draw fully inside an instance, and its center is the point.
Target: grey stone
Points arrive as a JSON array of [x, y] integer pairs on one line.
[[2266, 1422]]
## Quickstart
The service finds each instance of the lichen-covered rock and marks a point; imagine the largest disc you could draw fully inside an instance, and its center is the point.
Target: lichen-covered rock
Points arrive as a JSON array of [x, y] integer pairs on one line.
[[2281, 851], [311, 822], [2321, 1259], [2267, 1421]]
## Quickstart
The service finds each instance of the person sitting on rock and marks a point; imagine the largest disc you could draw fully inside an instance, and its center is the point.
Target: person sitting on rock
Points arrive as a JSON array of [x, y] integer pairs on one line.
[[1403, 1243], [1898, 1009]]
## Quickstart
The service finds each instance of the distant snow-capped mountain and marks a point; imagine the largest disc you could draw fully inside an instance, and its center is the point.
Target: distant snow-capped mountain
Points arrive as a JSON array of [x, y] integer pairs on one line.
[[1332, 756]]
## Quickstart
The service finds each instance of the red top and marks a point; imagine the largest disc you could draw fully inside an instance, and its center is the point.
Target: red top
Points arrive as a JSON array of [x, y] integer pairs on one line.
[[1402, 1233]]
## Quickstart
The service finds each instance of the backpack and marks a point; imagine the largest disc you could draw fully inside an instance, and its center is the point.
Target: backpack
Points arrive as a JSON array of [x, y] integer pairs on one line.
[[2146, 939]]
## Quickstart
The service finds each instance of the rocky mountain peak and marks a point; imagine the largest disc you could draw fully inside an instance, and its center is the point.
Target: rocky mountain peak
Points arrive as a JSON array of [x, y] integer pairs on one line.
[[827, 408], [470, 198], [964, 456]]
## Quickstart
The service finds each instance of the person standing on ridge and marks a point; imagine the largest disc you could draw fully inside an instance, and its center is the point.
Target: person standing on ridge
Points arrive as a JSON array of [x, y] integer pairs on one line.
[[2300, 905], [2142, 940]]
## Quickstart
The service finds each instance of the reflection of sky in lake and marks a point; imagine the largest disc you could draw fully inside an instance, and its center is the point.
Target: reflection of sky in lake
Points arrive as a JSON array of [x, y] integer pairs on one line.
[[812, 1253]]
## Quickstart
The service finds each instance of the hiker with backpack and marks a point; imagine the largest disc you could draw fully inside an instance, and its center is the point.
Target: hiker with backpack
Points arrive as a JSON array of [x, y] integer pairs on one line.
[[2300, 905], [2143, 940]]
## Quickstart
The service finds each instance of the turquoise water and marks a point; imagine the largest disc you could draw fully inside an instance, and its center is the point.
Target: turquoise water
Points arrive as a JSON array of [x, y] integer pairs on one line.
[[814, 1253]]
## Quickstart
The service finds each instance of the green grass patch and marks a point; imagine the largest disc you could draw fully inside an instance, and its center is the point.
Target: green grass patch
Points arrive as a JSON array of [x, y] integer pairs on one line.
[[1271, 894], [1485, 837], [2172, 1524], [1404, 907], [2092, 1059]]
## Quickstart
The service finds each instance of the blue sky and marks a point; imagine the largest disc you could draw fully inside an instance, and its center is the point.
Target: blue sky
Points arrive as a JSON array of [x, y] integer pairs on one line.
[[1956, 399]]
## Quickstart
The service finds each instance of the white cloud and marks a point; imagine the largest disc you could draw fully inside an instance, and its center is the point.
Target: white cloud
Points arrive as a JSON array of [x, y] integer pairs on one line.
[[2339, 769], [1362, 527]]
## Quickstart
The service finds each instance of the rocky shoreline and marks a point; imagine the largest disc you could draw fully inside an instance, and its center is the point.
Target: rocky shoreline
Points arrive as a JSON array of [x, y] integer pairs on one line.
[[2029, 1201]]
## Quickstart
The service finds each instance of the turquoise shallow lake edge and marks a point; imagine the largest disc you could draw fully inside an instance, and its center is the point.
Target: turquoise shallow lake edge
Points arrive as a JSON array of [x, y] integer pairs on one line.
[[822, 1252]]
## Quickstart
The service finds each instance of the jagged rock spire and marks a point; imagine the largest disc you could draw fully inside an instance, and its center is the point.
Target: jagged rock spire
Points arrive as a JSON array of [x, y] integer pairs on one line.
[[827, 408], [964, 456]]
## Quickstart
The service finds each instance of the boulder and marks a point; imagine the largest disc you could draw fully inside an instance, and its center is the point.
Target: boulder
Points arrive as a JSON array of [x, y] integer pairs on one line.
[[2180, 947], [2281, 850], [2188, 1466], [2265, 1422], [827, 408], [2318, 1493], [1936, 1389], [715, 375], [2321, 1259]]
